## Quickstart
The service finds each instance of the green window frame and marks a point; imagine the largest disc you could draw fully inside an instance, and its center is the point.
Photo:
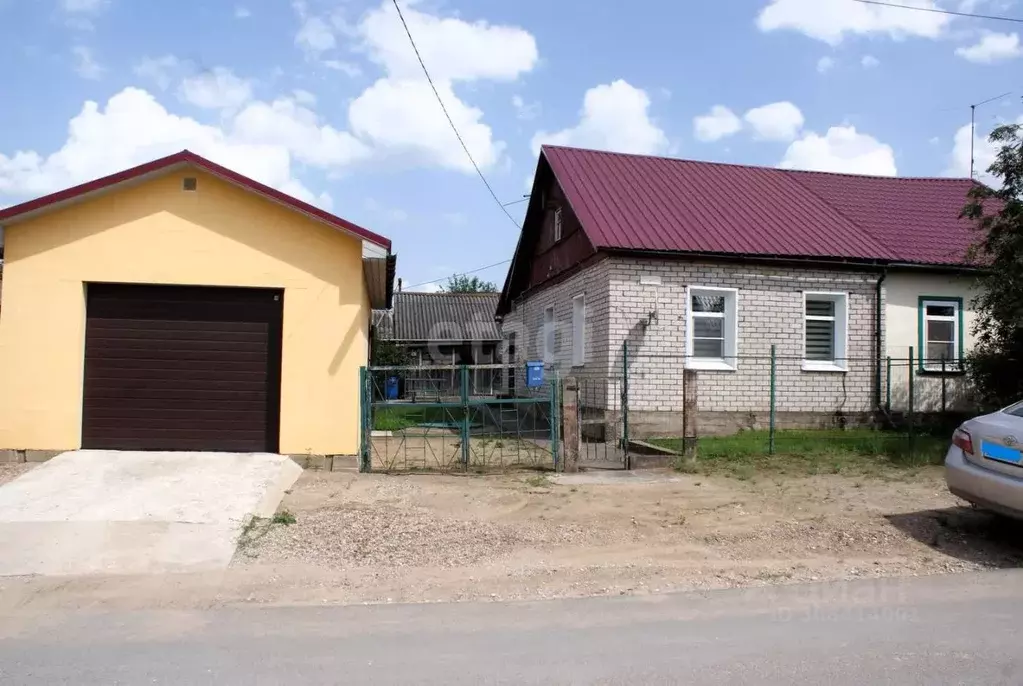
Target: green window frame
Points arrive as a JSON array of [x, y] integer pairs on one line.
[[925, 341]]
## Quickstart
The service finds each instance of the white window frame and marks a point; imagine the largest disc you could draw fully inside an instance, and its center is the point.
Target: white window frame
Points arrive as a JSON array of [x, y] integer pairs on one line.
[[557, 225], [548, 334], [579, 330], [926, 363], [729, 362], [840, 344]]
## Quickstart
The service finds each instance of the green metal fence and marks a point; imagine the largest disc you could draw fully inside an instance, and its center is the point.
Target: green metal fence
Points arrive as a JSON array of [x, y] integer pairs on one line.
[[488, 419], [784, 404]]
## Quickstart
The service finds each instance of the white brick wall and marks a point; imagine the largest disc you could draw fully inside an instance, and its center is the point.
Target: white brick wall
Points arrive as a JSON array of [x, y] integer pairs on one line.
[[770, 311], [643, 301], [526, 321]]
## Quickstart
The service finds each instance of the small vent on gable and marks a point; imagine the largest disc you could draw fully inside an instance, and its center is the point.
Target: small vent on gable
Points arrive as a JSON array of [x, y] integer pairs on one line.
[[189, 183]]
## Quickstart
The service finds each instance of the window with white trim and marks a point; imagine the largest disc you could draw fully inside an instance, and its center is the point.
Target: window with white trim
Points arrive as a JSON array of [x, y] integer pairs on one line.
[[557, 225], [578, 330], [548, 334], [712, 328], [825, 326], [941, 333]]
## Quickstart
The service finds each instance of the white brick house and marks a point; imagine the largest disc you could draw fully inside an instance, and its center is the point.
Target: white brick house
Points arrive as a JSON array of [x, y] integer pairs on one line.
[[708, 266]]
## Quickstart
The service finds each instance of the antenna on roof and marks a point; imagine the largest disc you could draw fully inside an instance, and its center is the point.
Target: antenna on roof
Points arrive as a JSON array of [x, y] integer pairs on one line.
[[973, 128], [973, 136]]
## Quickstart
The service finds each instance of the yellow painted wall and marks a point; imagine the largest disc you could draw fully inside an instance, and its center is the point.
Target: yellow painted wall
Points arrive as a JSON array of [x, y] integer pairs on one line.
[[156, 233]]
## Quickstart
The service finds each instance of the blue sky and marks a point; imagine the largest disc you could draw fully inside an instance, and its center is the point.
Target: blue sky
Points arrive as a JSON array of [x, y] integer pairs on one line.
[[325, 100]]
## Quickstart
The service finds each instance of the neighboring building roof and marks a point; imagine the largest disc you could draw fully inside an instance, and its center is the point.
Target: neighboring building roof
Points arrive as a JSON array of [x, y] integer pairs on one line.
[[441, 317], [642, 203], [175, 161]]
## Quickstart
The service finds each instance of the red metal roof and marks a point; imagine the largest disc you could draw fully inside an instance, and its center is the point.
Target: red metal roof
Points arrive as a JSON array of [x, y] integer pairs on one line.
[[636, 202], [186, 157]]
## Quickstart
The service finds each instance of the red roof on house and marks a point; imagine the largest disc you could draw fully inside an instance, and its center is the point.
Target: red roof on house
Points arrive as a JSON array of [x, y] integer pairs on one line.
[[637, 202], [181, 159]]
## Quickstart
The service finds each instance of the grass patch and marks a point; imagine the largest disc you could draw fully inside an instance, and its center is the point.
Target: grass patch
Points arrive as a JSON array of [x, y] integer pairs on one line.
[[397, 418], [284, 517], [862, 452], [539, 481]]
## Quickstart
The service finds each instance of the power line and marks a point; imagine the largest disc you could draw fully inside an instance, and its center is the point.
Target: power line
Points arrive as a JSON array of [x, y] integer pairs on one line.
[[514, 202], [450, 120], [937, 10], [471, 271]]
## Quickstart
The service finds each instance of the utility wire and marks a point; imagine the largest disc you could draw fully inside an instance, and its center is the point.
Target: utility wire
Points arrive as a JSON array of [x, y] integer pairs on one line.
[[471, 271], [937, 10], [514, 202], [450, 120]]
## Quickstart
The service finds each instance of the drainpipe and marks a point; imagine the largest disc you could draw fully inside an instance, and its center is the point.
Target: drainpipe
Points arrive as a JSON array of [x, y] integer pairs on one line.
[[879, 348]]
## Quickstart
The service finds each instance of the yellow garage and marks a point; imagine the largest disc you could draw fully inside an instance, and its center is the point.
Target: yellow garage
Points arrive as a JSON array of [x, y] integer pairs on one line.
[[181, 306]]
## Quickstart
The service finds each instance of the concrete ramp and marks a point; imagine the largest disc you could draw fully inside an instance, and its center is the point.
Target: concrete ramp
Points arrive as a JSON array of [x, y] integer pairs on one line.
[[112, 512]]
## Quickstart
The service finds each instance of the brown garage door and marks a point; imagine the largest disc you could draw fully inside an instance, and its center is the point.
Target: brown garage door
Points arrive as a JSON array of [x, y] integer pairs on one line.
[[182, 368]]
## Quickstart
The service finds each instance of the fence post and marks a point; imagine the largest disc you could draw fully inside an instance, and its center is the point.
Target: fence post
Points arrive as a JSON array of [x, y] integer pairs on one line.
[[774, 369], [570, 417], [625, 404], [365, 421], [912, 438], [943, 391], [464, 428], [888, 384], [690, 395], [555, 417]]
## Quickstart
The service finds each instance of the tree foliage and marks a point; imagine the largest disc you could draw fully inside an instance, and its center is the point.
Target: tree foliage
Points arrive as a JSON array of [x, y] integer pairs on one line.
[[996, 362], [386, 353], [469, 284]]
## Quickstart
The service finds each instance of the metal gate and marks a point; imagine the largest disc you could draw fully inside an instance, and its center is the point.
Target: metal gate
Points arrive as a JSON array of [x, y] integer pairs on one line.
[[458, 418]]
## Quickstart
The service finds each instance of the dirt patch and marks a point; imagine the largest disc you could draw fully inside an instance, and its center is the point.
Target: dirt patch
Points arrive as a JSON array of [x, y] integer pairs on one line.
[[422, 538], [374, 538], [9, 471]]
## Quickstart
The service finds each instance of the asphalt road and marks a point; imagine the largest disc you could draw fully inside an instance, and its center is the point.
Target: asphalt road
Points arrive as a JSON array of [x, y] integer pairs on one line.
[[938, 630]]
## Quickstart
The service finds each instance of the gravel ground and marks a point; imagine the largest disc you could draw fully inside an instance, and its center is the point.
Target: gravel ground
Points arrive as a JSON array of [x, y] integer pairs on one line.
[[514, 537]]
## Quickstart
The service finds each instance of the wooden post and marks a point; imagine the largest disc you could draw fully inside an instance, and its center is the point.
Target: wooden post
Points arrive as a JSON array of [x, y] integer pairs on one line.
[[690, 393], [570, 420]]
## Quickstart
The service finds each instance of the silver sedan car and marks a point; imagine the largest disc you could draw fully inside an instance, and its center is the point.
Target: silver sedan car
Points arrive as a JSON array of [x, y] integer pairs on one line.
[[984, 465]]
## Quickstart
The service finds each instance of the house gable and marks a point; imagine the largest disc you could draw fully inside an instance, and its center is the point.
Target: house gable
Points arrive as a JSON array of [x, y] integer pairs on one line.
[[539, 258]]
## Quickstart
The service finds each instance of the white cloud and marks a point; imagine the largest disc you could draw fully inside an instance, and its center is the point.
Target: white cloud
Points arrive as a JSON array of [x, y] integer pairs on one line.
[[287, 124], [315, 36], [348, 68], [779, 121], [992, 47], [402, 117], [399, 113], [831, 20], [303, 97], [842, 149], [525, 111], [160, 70], [84, 6], [719, 123], [453, 49], [85, 63], [241, 12], [869, 62], [825, 64], [984, 153], [614, 116], [215, 89], [133, 128]]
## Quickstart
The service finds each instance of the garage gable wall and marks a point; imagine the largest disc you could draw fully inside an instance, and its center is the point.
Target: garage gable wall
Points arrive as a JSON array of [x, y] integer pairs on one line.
[[157, 233]]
